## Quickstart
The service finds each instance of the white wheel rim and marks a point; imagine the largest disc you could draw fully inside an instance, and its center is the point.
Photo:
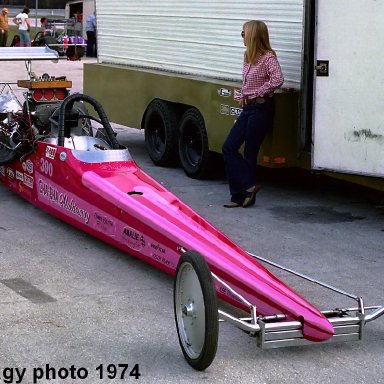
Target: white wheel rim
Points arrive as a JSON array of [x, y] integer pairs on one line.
[[190, 311]]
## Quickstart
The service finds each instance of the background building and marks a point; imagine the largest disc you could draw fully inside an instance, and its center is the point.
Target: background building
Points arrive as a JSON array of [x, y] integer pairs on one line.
[[43, 4]]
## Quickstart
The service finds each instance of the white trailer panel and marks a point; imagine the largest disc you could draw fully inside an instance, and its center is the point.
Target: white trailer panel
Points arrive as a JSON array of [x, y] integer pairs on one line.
[[199, 38], [348, 118]]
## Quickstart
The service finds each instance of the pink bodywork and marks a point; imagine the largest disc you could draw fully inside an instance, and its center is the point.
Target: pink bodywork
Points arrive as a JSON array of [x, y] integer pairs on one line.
[[120, 204]]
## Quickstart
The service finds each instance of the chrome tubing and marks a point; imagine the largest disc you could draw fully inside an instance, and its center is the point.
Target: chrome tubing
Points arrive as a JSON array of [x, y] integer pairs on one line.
[[246, 326], [374, 315], [241, 298], [312, 280], [366, 318], [239, 323]]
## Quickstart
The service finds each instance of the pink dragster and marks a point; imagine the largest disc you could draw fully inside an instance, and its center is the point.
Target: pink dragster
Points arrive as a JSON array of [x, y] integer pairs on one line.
[[67, 161]]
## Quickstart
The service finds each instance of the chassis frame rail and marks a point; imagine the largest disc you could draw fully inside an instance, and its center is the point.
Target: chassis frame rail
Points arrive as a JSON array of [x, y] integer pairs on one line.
[[276, 331]]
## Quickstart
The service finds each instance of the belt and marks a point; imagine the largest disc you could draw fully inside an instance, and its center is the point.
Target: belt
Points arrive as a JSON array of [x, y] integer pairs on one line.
[[257, 100]]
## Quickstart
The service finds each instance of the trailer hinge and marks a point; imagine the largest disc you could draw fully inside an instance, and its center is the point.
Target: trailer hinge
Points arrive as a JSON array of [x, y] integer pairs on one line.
[[322, 68]]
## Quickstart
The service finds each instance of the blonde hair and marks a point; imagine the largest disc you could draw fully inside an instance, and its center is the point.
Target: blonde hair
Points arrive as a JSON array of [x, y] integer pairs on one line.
[[256, 40]]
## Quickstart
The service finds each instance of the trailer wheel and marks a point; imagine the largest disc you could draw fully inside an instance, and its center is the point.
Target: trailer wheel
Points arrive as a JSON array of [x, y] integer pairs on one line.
[[193, 144], [160, 124], [196, 312]]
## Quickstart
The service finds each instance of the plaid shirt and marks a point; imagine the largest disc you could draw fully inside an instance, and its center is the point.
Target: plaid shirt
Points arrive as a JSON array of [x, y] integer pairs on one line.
[[262, 78]]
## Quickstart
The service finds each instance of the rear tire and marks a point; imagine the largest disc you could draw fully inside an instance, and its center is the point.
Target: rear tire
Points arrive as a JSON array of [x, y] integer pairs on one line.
[[161, 129], [193, 144], [196, 311]]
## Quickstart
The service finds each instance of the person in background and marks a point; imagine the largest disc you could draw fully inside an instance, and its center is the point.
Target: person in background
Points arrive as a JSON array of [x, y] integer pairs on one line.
[[15, 41], [4, 27], [22, 21], [261, 76], [91, 35], [47, 31], [47, 28]]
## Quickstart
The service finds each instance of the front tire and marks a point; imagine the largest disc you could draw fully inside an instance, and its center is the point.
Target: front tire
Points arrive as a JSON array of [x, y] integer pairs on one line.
[[161, 126], [196, 312]]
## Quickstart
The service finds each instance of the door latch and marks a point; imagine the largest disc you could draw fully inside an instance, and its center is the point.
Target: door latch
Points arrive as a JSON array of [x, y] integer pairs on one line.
[[322, 68]]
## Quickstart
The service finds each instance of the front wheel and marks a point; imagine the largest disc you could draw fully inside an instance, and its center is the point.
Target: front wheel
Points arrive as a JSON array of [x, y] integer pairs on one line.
[[196, 312]]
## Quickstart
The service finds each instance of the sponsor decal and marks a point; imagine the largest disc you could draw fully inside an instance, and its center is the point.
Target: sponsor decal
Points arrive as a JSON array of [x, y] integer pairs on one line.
[[224, 92], [10, 173], [158, 247], [19, 176], [28, 181], [228, 110], [27, 192], [2, 170], [64, 200], [224, 109], [28, 166], [63, 156], [50, 152], [159, 253], [235, 111], [237, 94], [133, 238], [225, 291], [103, 223], [161, 259]]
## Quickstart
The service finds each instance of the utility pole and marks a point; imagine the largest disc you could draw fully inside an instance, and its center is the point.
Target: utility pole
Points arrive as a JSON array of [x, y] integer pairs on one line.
[[36, 8]]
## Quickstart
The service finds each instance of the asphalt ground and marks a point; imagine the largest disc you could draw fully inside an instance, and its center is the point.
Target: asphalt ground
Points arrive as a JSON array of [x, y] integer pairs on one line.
[[88, 307]]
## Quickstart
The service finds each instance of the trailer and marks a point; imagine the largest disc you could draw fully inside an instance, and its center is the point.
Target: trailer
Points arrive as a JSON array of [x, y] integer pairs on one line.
[[172, 68], [79, 10]]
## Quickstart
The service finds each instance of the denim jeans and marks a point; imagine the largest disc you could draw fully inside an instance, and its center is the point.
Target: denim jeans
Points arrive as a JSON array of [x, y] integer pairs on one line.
[[250, 128], [24, 38], [91, 44]]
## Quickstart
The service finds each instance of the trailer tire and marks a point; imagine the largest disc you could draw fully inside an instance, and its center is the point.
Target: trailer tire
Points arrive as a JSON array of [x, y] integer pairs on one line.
[[160, 124], [196, 310], [194, 151]]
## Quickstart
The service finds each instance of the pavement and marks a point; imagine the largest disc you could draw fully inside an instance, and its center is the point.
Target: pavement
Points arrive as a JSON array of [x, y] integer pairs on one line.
[[11, 71], [91, 309]]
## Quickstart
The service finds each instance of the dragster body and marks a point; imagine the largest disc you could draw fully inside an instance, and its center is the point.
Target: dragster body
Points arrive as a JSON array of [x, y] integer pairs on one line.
[[83, 176], [104, 193]]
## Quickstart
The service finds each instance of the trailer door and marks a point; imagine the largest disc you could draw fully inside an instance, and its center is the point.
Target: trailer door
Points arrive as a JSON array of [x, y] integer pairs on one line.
[[348, 122]]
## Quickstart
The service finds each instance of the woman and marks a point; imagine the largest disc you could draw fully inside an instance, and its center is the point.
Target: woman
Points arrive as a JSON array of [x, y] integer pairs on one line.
[[23, 23], [261, 76]]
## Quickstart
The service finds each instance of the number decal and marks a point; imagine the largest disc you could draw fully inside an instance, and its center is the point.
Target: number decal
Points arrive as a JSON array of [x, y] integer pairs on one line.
[[46, 167]]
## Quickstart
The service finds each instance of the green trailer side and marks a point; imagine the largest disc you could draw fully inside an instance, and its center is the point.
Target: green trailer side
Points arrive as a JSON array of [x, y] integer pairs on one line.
[[127, 92]]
